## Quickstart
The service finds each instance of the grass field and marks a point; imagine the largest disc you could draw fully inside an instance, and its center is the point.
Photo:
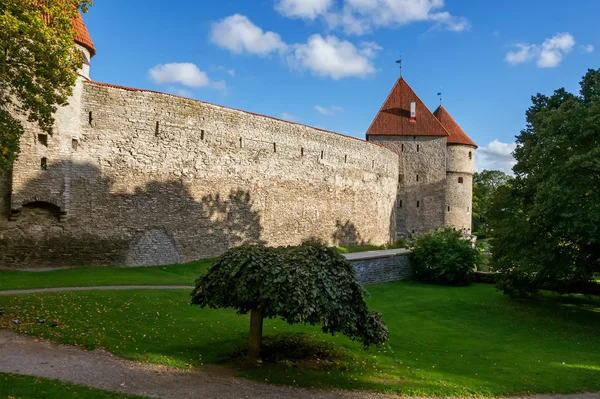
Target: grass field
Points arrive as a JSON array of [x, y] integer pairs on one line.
[[25, 387], [443, 340], [101, 276]]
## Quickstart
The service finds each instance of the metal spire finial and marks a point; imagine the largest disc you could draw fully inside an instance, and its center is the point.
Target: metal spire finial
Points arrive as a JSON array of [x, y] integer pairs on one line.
[[440, 95], [400, 62]]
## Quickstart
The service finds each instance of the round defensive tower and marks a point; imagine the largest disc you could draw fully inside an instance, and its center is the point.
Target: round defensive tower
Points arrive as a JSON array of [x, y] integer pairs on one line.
[[460, 166]]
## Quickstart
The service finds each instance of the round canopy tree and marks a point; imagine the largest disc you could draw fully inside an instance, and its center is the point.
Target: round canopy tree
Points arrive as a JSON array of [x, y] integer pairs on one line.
[[305, 284]]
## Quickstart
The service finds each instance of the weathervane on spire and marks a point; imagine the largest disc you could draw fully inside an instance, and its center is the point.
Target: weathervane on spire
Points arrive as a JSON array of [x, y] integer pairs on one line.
[[400, 63], [440, 95]]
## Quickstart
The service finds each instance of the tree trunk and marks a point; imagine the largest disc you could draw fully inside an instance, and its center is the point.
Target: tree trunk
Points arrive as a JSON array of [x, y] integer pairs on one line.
[[255, 340]]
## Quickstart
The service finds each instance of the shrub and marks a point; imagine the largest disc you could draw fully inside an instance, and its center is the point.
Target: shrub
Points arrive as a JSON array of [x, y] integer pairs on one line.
[[442, 256]]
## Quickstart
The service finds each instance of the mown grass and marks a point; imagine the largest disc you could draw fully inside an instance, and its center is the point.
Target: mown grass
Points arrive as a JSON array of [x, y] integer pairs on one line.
[[102, 276], [443, 340], [26, 387], [364, 248]]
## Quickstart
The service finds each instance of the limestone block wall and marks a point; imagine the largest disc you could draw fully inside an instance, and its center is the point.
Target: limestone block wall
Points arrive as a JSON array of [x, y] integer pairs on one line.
[[459, 187], [156, 179], [421, 181]]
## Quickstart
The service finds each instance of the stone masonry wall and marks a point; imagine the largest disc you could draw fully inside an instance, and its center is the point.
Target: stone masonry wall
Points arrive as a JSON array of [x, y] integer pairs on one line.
[[420, 203], [383, 269], [156, 179]]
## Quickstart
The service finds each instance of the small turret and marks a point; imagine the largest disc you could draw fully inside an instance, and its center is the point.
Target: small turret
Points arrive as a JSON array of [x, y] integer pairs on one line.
[[460, 166]]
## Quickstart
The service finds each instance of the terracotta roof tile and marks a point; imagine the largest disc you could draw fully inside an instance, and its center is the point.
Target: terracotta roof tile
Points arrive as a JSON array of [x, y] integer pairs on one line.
[[393, 119], [82, 36], [456, 134], [234, 109]]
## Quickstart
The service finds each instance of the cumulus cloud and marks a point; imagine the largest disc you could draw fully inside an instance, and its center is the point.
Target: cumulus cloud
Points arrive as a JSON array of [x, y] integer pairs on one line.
[[547, 55], [586, 48], [496, 156], [178, 91], [239, 35], [358, 17], [289, 117], [186, 73], [322, 56], [306, 9], [331, 57], [329, 111]]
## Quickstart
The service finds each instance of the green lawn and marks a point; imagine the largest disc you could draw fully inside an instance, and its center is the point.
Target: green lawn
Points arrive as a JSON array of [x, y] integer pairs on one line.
[[25, 387], [443, 340], [101, 276]]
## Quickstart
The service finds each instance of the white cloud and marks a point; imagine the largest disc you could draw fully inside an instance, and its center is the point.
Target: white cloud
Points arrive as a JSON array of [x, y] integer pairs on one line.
[[334, 109], [334, 58], [323, 56], [496, 156], [358, 17], [239, 35], [547, 55], [289, 117], [586, 48], [306, 9], [186, 74]]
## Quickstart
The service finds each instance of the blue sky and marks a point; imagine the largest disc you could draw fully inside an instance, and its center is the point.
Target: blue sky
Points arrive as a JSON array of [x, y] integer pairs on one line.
[[331, 63]]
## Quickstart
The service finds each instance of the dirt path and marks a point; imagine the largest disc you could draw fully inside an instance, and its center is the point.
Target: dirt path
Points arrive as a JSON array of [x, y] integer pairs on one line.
[[99, 369], [105, 288]]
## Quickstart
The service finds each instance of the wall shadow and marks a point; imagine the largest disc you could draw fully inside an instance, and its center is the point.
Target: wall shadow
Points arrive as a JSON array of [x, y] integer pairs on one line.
[[105, 220]]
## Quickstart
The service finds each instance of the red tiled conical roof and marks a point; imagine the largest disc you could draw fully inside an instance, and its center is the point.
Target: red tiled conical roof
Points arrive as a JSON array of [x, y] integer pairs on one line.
[[393, 119], [82, 36], [456, 134]]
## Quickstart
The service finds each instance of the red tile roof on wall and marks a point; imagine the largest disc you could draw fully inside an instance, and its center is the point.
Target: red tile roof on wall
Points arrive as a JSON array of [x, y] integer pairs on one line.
[[82, 36], [456, 134], [393, 119]]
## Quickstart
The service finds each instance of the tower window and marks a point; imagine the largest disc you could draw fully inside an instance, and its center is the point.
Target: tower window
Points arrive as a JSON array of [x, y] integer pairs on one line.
[[418, 203], [274, 147], [418, 147], [448, 209], [460, 180], [201, 134], [44, 164], [74, 144], [43, 139], [402, 148], [322, 154], [470, 155], [400, 204], [345, 158], [302, 151], [417, 177]]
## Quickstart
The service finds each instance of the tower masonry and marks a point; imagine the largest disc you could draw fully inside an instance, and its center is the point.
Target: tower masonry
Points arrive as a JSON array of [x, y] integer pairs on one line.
[[460, 166]]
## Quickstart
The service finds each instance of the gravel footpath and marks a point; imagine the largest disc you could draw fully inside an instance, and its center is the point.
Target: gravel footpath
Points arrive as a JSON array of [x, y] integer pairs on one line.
[[106, 288], [100, 369]]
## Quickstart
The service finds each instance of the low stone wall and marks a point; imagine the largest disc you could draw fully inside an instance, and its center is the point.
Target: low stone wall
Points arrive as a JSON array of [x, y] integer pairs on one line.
[[378, 267]]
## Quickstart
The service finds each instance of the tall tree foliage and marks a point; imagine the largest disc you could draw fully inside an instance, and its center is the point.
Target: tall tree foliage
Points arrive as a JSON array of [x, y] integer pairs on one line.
[[38, 65], [546, 223], [307, 284], [485, 184]]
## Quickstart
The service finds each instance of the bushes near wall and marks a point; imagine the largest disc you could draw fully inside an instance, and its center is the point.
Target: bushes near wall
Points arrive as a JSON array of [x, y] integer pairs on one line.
[[442, 256]]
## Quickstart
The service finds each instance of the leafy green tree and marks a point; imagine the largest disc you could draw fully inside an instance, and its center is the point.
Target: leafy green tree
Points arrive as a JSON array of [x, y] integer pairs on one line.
[[545, 225], [38, 65], [307, 284], [443, 256], [485, 184]]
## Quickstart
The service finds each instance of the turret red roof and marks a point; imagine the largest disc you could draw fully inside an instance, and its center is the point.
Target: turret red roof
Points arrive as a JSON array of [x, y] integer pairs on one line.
[[456, 134], [82, 35], [393, 119]]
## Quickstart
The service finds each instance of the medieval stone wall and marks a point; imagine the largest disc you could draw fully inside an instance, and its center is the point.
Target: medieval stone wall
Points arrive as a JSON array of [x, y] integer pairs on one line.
[[148, 178], [421, 181]]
